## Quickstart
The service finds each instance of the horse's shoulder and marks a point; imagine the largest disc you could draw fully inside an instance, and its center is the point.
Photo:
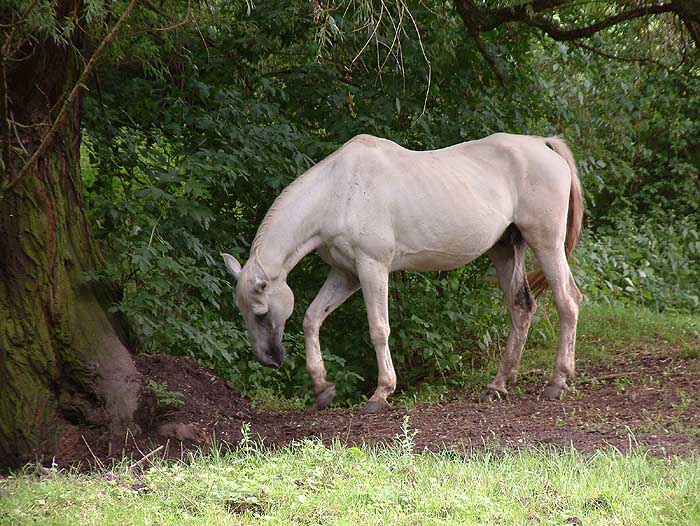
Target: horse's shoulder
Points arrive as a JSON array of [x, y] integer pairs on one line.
[[364, 149]]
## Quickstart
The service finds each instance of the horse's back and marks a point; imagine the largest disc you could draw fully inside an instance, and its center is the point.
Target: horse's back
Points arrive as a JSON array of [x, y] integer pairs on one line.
[[437, 209]]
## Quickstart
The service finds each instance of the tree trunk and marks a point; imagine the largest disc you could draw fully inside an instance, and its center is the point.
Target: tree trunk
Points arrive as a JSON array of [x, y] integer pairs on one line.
[[61, 360]]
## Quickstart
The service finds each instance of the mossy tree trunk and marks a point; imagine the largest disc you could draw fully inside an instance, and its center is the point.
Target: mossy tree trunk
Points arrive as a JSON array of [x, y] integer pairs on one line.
[[61, 360]]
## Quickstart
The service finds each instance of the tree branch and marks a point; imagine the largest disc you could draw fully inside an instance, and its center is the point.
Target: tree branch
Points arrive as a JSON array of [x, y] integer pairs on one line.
[[640, 60], [558, 33], [484, 19], [46, 141]]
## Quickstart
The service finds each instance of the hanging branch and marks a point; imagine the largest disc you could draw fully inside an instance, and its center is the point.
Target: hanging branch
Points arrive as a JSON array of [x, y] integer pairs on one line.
[[8, 41], [639, 60], [478, 18], [69, 100], [5, 52]]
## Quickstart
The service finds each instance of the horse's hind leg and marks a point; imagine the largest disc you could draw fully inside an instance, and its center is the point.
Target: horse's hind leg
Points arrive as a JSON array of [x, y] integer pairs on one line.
[[508, 257], [567, 298], [338, 287]]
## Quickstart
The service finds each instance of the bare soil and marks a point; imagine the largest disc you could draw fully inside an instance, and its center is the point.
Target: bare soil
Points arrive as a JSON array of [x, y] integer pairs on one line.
[[646, 397]]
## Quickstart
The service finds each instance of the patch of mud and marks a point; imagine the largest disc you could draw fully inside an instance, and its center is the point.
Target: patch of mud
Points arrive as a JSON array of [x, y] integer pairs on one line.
[[647, 398]]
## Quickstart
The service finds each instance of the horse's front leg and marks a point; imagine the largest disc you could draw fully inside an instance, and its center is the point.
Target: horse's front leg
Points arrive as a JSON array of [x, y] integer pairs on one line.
[[374, 278], [338, 287]]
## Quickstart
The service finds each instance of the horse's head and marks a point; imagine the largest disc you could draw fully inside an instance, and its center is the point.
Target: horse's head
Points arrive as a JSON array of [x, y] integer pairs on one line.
[[265, 304]]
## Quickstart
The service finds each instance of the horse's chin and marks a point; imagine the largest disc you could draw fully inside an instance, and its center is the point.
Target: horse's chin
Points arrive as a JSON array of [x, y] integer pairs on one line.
[[272, 365], [272, 357]]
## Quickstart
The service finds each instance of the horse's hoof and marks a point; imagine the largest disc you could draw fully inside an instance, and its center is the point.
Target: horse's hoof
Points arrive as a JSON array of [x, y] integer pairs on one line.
[[490, 395], [325, 397], [374, 407], [552, 392]]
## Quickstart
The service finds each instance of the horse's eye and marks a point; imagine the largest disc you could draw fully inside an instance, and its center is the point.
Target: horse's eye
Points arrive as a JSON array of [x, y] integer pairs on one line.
[[261, 317]]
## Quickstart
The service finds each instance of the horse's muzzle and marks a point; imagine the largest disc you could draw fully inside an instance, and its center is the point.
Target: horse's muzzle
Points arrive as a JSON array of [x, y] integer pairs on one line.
[[273, 355]]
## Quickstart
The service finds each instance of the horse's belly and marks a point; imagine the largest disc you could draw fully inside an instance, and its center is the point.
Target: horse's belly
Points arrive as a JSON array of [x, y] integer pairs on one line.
[[445, 245], [431, 258], [430, 261], [445, 222]]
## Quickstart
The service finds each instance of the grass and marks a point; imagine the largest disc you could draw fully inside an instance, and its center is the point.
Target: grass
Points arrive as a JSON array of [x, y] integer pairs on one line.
[[604, 331], [608, 329], [309, 483]]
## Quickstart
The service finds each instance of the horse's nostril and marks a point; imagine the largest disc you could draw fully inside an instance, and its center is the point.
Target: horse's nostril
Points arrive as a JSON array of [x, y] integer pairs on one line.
[[275, 354]]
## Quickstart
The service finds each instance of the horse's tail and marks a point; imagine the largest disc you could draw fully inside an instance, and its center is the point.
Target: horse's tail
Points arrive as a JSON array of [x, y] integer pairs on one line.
[[537, 281]]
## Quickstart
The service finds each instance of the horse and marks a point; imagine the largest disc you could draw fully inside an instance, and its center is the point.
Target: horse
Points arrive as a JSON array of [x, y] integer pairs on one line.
[[374, 207]]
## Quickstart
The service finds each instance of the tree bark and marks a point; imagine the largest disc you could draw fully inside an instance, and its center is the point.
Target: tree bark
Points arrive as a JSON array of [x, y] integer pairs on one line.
[[62, 362]]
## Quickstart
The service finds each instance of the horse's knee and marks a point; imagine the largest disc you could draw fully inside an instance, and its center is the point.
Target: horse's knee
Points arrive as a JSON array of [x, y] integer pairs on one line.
[[379, 334], [311, 324], [568, 304]]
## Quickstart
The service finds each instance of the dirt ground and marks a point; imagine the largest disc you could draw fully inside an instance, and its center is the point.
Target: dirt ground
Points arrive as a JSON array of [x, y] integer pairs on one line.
[[648, 397]]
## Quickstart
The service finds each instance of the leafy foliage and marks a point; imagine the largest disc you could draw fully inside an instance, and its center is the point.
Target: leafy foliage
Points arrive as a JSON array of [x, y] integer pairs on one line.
[[653, 261], [182, 161], [164, 397]]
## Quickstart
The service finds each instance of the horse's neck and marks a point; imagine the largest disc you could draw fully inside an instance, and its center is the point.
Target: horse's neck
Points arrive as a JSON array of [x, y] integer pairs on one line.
[[278, 257], [290, 231]]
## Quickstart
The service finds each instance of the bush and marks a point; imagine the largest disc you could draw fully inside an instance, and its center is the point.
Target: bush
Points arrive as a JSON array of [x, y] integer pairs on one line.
[[652, 260]]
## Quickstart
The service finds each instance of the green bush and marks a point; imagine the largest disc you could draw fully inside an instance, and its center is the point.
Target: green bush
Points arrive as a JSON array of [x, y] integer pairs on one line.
[[653, 260]]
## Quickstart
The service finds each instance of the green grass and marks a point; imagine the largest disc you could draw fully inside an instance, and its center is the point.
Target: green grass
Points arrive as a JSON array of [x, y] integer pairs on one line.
[[309, 483], [605, 330], [619, 322]]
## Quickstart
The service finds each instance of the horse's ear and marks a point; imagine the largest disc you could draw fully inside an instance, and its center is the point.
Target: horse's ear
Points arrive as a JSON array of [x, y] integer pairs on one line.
[[232, 264], [260, 286]]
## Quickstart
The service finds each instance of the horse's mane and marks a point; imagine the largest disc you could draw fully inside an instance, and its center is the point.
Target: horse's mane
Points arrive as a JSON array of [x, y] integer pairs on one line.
[[271, 214], [284, 196]]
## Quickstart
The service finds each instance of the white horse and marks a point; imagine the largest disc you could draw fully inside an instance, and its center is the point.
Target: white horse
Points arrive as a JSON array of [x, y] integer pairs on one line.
[[374, 207]]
